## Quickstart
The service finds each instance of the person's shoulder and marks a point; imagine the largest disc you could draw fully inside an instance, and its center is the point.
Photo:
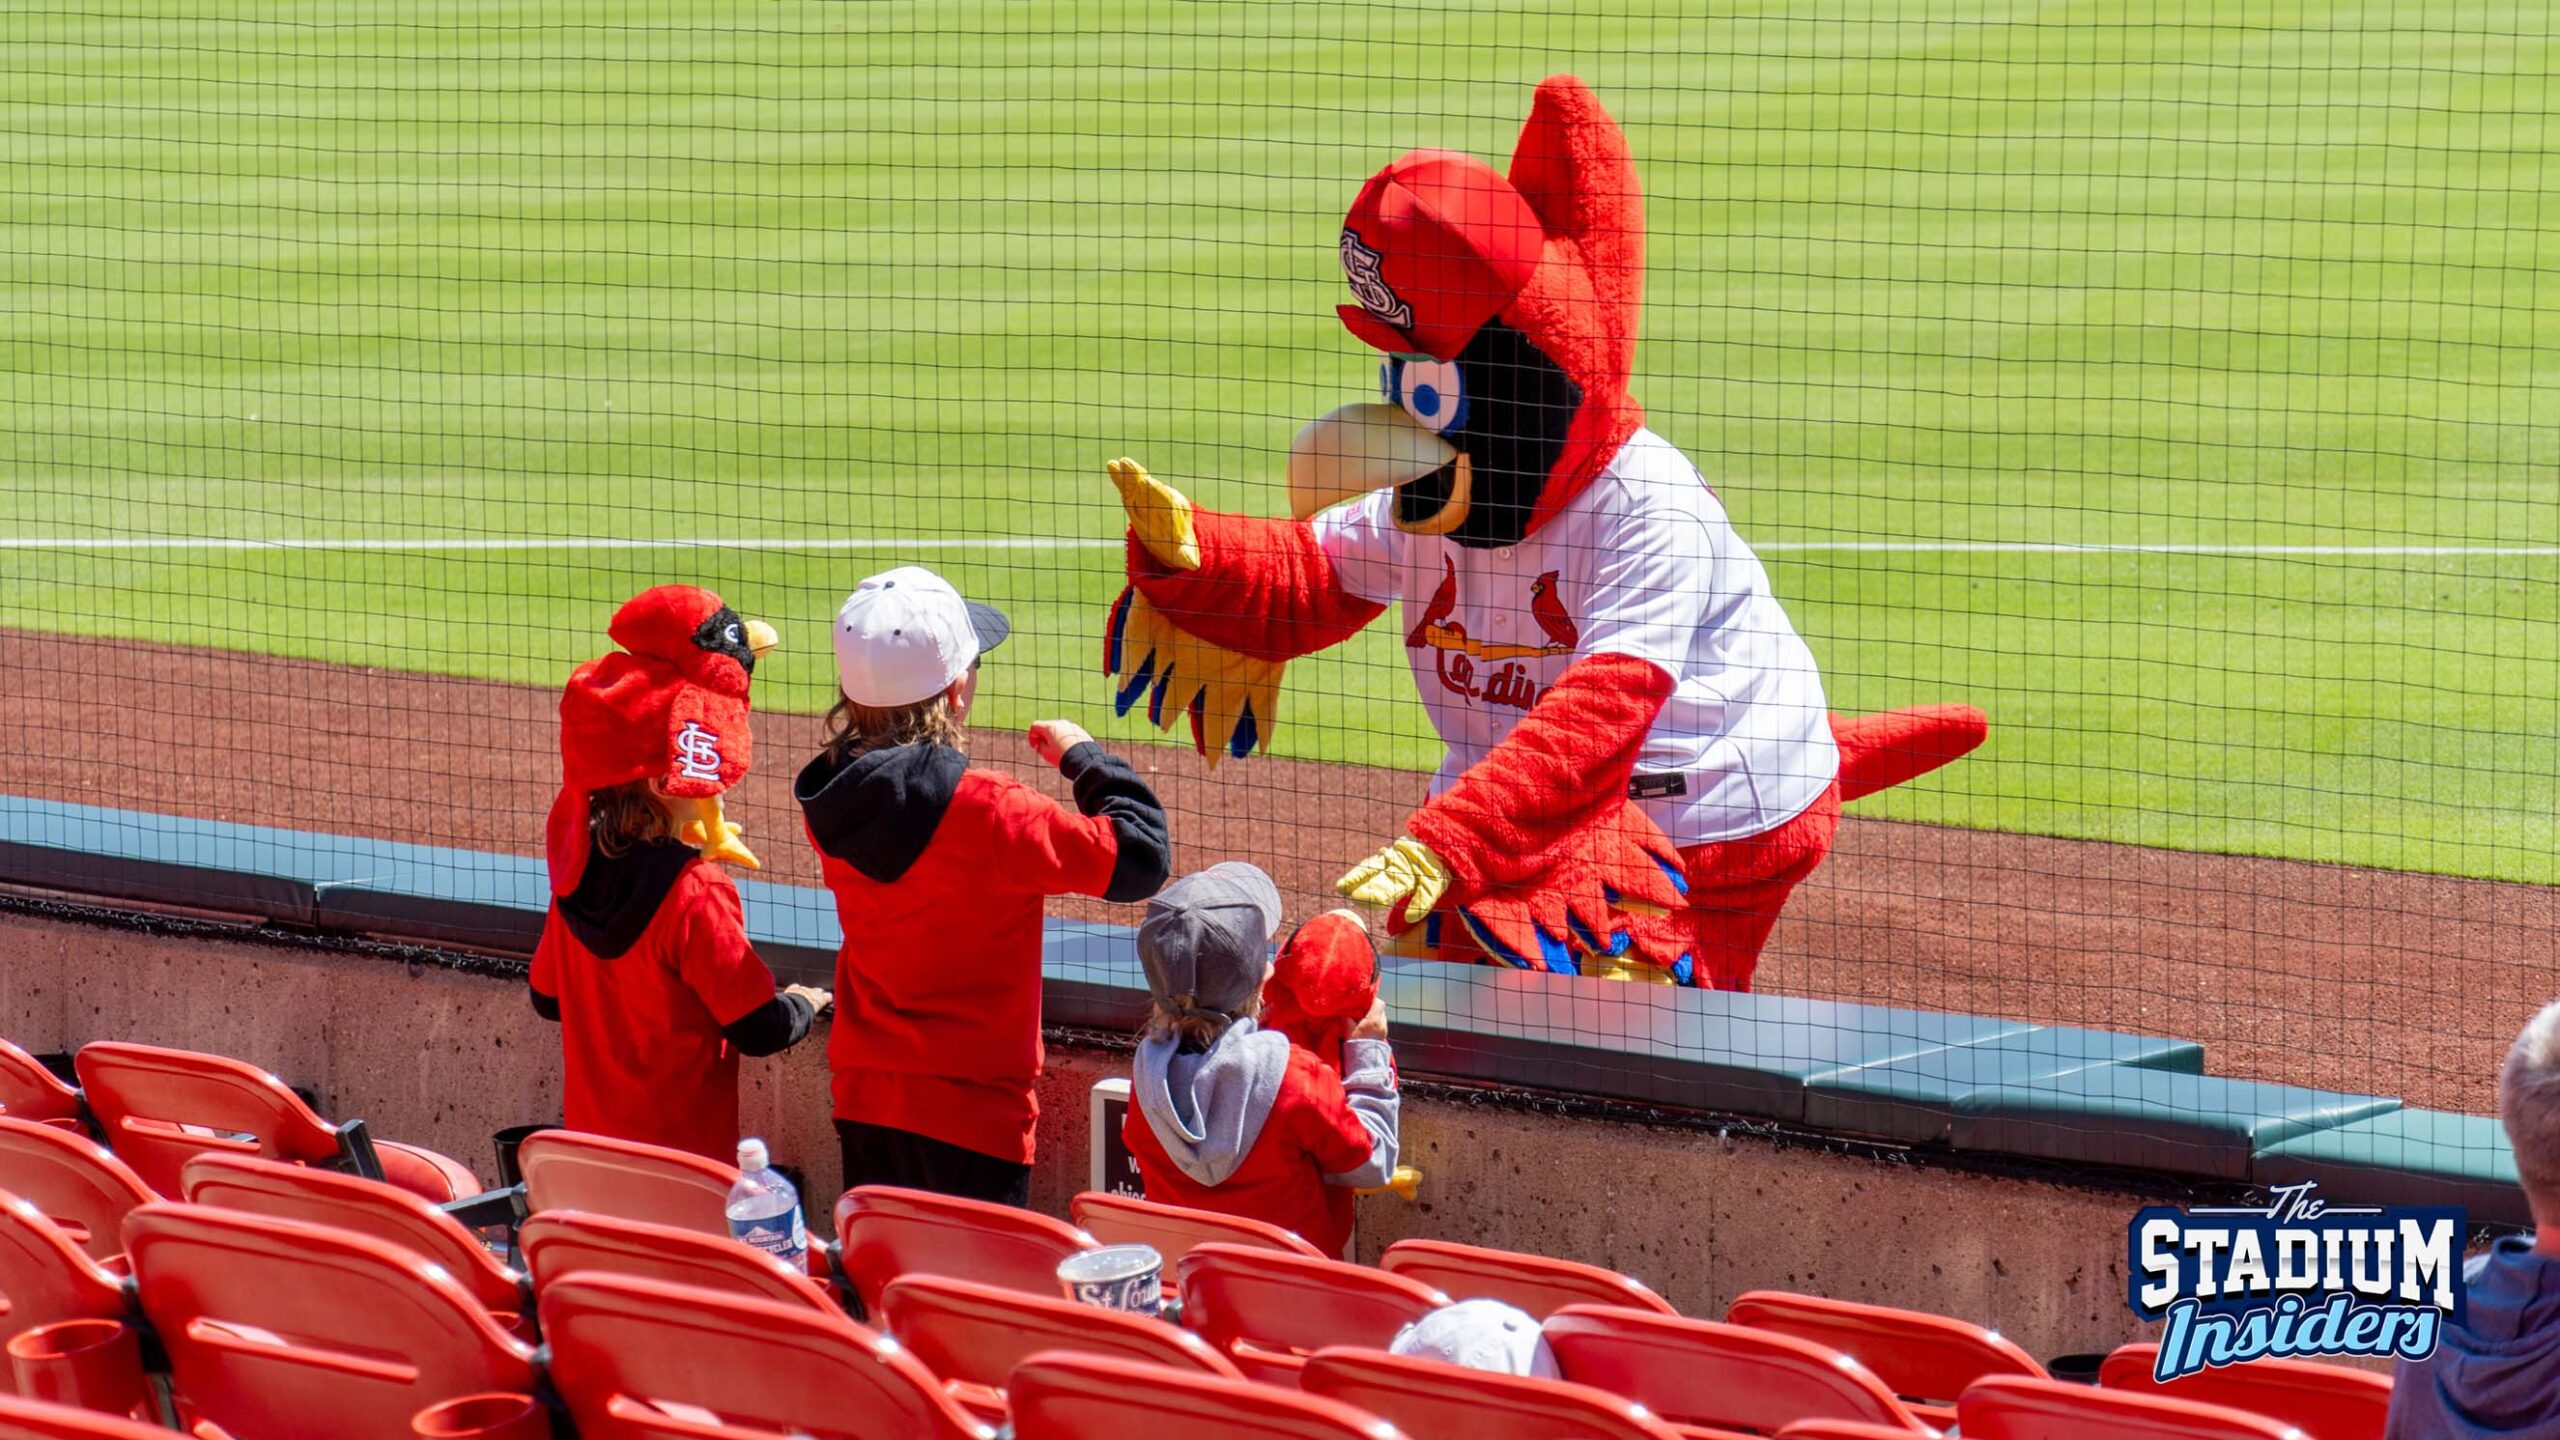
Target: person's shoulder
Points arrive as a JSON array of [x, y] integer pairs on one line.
[[1649, 481], [700, 880]]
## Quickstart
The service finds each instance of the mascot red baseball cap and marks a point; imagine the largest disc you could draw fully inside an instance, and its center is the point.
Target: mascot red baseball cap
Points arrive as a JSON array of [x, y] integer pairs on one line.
[[1435, 245]]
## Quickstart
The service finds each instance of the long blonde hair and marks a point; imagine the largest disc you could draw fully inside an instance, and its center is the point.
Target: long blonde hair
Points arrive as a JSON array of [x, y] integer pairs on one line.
[[858, 729]]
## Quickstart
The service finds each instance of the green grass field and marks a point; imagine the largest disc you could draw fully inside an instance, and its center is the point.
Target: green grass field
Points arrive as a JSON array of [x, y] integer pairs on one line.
[[1950, 274]]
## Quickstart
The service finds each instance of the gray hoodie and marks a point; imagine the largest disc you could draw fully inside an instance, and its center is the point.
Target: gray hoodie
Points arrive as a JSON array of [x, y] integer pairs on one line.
[[1207, 1108], [2497, 1375]]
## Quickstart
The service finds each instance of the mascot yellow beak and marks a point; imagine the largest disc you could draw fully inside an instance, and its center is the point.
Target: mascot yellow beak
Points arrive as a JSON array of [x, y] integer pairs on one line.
[[760, 638], [1360, 448]]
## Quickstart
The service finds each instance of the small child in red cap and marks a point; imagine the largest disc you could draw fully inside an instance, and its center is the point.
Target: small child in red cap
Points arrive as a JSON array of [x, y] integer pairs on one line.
[[644, 960]]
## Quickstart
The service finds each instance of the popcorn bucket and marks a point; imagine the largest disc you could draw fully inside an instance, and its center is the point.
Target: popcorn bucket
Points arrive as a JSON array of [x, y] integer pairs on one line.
[[1115, 1277]]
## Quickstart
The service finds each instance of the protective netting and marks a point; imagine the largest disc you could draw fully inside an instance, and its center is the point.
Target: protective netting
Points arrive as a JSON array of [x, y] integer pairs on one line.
[[2174, 384]]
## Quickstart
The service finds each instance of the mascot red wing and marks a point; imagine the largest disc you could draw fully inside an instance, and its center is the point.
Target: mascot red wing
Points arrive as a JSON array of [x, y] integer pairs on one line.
[[1641, 762]]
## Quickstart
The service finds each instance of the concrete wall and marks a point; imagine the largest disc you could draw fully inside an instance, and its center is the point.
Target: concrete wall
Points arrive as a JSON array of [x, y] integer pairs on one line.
[[442, 1059]]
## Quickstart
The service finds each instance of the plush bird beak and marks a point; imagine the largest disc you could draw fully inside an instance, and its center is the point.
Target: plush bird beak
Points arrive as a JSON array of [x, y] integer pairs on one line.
[[700, 824], [760, 638], [1360, 448]]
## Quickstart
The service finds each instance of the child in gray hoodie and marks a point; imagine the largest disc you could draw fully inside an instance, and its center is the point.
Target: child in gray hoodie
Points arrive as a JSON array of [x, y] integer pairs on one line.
[[1227, 1116]]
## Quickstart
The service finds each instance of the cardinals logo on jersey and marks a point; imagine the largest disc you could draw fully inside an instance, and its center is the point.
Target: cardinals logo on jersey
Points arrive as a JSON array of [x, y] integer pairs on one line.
[[1459, 656], [1548, 611]]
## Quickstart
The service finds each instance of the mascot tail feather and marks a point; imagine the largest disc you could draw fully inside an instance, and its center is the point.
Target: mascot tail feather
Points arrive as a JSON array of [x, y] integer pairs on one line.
[[1878, 752]]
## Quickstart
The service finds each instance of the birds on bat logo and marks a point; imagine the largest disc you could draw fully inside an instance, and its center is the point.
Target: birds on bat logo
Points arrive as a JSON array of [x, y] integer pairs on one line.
[[697, 752], [1458, 654]]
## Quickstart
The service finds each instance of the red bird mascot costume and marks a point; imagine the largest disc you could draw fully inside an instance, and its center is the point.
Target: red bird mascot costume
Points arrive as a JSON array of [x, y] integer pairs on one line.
[[1641, 762]]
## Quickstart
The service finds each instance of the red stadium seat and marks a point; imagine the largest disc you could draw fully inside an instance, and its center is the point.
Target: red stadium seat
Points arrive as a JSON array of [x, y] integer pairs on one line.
[[1840, 1430], [886, 1232], [277, 1329], [36, 1420], [1428, 1398], [1267, 1310], [45, 1275], [28, 1091], [558, 1243], [2014, 1407], [1087, 1397], [1703, 1373], [974, 1335], [636, 1359], [368, 1207], [570, 1170], [1926, 1359], [2327, 1402], [156, 1107], [72, 1180], [1174, 1229], [1533, 1282]]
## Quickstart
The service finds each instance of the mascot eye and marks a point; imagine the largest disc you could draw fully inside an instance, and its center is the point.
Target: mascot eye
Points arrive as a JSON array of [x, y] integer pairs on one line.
[[1432, 393], [735, 634]]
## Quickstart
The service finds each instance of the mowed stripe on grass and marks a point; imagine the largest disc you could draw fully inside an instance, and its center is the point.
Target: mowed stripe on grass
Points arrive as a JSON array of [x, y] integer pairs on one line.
[[1944, 301]]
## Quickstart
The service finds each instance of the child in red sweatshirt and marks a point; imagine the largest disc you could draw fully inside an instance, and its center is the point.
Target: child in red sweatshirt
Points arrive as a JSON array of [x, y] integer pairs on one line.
[[644, 960], [940, 874], [1230, 1117]]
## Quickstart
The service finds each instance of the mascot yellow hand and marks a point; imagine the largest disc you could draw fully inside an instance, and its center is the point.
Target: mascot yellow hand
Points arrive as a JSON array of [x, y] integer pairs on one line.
[[1406, 880], [1159, 515], [1231, 699]]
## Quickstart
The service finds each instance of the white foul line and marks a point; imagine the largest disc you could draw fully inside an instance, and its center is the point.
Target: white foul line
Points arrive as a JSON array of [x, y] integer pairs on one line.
[[442, 544], [547, 543]]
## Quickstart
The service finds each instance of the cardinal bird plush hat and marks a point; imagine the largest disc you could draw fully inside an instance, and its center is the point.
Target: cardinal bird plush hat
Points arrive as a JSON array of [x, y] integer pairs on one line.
[[670, 706]]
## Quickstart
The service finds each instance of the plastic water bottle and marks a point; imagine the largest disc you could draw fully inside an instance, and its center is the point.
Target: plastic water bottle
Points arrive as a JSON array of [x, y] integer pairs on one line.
[[764, 1209]]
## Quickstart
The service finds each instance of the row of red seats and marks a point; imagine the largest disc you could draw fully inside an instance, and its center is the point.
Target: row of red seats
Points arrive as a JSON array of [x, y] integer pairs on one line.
[[156, 1107], [283, 1329], [1262, 1310]]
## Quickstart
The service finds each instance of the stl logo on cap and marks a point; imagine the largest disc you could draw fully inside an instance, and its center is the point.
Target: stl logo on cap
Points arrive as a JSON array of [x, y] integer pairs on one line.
[[1360, 263]]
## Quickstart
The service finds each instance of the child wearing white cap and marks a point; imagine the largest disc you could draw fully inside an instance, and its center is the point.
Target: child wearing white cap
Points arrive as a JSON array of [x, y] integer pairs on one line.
[[939, 873]]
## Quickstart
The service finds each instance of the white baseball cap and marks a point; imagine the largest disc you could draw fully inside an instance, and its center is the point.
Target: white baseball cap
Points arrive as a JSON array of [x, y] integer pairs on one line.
[[1480, 1335], [904, 635]]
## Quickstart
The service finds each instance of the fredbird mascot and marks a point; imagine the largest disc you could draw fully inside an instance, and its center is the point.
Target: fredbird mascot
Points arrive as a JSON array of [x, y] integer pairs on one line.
[[1641, 763]]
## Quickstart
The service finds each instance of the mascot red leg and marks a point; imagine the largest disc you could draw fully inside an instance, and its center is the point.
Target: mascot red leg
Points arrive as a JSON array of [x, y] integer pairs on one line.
[[1641, 761]]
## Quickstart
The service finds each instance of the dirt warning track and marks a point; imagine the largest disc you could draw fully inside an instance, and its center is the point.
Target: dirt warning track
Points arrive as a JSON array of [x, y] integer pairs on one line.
[[2349, 979]]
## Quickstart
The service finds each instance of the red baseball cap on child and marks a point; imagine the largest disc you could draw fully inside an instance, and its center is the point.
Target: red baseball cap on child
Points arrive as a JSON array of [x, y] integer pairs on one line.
[[1435, 245]]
